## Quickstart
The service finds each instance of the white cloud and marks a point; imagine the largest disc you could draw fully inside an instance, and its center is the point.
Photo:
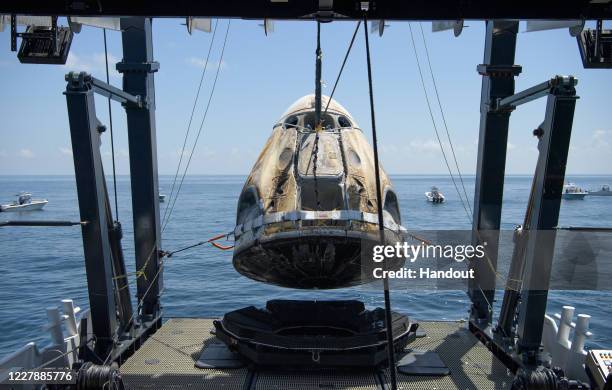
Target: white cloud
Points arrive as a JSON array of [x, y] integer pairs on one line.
[[66, 151], [205, 152], [424, 146], [74, 62], [185, 152], [26, 153], [388, 148], [601, 138], [123, 153], [201, 62], [94, 64], [596, 147]]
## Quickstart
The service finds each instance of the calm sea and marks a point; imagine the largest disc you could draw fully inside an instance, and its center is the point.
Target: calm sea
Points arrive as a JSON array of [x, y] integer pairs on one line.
[[42, 265]]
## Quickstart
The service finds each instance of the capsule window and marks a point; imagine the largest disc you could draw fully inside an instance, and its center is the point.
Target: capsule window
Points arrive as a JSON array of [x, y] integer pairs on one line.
[[291, 122], [344, 121], [326, 119], [391, 205], [248, 207]]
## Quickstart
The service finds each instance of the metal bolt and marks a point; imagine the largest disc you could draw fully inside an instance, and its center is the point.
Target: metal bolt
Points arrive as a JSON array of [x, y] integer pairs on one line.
[[539, 132]]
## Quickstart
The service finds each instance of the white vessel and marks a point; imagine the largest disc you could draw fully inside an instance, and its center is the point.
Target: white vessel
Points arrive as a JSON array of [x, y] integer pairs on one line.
[[434, 196], [24, 202], [571, 191], [604, 191]]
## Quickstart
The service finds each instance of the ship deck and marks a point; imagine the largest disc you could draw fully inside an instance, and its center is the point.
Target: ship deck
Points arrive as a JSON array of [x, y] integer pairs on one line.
[[166, 360]]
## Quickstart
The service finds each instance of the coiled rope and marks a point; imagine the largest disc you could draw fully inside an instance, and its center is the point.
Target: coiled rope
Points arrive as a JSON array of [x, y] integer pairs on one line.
[[94, 377]]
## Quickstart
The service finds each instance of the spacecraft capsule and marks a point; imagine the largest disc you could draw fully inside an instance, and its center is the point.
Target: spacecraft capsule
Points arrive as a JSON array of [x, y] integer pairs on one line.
[[309, 204]]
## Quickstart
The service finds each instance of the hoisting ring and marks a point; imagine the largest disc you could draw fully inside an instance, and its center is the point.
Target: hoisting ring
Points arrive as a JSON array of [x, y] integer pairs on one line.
[[316, 356]]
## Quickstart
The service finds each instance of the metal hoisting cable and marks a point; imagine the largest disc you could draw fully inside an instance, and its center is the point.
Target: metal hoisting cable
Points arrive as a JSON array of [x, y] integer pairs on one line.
[[318, 124], [465, 202], [435, 127], [212, 241], [435, 85], [110, 120], [348, 51], [197, 138], [381, 226], [140, 273], [195, 103], [319, 55]]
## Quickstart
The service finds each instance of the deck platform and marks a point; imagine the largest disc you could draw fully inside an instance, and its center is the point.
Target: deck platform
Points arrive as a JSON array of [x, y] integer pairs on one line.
[[166, 360]]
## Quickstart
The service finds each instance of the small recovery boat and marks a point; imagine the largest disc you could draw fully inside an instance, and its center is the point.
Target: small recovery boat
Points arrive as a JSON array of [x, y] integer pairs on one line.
[[572, 192], [434, 196], [24, 202], [604, 191]]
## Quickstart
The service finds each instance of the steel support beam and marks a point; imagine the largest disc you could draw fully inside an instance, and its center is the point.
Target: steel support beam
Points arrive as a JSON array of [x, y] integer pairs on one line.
[[512, 293], [137, 68], [530, 270], [307, 9], [498, 71], [115, 93], [85, 136], [553, 147]]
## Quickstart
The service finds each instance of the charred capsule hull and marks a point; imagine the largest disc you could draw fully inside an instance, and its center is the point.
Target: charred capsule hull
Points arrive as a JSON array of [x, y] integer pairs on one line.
[[309, 204], [319, 258]]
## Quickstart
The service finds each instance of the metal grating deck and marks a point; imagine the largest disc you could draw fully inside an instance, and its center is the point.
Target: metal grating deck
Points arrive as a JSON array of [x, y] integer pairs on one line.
[[307, 380], [166, 360], [471, 364]]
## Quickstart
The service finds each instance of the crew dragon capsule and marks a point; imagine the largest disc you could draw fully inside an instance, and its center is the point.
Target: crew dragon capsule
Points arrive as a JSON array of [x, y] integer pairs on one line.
[[309, 203]]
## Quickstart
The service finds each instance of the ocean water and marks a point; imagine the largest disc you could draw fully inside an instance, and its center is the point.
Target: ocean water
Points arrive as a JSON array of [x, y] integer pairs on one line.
[[41, 265]]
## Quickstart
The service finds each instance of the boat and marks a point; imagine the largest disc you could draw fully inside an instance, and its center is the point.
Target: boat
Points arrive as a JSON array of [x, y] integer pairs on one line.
[[24, 202], [572, 192], [434, 195], [309, 202], [162, 198], [604, 191]]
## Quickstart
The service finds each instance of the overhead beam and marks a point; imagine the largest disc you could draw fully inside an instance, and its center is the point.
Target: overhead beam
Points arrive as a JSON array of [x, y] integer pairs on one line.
[[300, 9]]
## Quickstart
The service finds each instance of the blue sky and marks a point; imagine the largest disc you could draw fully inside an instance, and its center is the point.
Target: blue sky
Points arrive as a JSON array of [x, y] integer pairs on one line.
[[261, 76]]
